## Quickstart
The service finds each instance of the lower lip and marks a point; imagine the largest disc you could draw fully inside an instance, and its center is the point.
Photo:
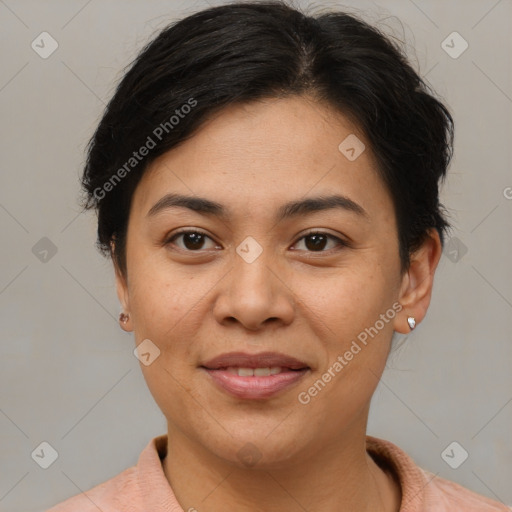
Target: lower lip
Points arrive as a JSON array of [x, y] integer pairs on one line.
[[255, 387]]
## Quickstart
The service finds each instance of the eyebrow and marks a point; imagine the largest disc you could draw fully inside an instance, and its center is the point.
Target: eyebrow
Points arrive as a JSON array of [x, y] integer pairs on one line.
[[300, 207]]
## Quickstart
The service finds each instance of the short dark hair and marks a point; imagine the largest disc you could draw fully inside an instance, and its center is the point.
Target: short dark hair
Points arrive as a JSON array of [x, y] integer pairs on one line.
[[245, 51]]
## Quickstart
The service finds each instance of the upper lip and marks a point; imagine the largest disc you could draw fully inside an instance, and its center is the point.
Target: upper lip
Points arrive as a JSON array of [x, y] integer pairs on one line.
[[261, 360]]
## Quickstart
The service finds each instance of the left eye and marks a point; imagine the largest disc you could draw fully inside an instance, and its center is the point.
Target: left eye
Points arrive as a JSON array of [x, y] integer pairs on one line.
[[318, 241]]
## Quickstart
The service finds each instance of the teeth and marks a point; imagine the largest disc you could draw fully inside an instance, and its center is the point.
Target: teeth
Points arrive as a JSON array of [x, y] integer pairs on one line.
[[262, 372], [258, 372]]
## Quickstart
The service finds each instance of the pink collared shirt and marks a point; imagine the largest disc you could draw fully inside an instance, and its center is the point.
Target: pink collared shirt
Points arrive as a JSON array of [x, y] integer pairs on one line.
[[144, 487]]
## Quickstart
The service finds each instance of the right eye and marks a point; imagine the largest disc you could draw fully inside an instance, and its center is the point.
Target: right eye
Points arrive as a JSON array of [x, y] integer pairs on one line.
[[192, 240]]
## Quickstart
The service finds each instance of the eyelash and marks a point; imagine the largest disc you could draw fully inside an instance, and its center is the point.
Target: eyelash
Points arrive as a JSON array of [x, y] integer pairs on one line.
[[341, 243]]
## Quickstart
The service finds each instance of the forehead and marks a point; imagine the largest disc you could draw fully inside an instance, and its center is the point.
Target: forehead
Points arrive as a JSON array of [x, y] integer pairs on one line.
[[268, 151]]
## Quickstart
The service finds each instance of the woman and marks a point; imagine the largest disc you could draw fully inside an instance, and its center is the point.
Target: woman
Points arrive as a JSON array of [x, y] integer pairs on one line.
[[267, 186]]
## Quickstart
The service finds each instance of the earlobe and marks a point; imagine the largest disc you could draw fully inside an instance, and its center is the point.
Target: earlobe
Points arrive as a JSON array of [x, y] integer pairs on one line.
[[125, 321], [417, 283], [122, 294]]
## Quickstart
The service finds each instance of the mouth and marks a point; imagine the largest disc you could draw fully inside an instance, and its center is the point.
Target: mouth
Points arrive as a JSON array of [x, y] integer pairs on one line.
[[257, 372], [256, 376]]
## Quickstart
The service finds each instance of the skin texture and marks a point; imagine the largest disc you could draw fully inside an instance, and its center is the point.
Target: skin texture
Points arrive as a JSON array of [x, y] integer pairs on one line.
[[197, 301]]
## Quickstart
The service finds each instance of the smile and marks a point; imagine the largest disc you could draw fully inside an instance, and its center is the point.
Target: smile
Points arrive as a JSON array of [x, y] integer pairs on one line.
[[255, 383]]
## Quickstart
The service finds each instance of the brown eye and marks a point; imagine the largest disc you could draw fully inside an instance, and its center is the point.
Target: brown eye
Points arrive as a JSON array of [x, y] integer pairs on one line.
[[317, 241], [192, 240]]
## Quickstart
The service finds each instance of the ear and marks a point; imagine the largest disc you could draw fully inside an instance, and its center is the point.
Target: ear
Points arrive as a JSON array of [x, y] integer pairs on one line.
[[122, 293], [417, 282]]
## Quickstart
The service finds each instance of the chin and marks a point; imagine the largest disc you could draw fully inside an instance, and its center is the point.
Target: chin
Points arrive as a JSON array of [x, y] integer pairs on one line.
[[259, 450]]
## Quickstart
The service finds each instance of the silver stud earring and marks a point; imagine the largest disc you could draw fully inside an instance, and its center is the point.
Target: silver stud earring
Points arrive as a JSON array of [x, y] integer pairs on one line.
[[412, 322]]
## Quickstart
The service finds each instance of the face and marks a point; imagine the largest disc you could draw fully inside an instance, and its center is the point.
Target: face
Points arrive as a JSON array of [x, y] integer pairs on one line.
[[310, 281]]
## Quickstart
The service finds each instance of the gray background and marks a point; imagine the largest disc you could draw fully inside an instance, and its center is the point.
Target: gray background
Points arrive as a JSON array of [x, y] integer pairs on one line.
[[68, 375]]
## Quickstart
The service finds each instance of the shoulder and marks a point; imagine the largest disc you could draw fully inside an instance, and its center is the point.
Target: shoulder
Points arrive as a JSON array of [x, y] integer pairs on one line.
[[141, 487], [455, 497], [422, 491], [117, 494]]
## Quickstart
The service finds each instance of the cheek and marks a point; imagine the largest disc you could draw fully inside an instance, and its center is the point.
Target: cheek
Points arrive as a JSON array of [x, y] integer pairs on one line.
[[162, 304], [346, 302], [347, 314], [357, 340], [161, 295]]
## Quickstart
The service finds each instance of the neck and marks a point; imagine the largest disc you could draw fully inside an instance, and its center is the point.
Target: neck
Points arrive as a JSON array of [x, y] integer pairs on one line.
[[341, 477]]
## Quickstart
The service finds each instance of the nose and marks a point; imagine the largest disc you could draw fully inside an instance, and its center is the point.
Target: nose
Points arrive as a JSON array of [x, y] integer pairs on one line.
[[255, 293]]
